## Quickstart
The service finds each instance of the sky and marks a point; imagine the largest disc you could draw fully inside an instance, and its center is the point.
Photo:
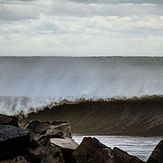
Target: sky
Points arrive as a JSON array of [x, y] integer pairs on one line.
[[81, 27]]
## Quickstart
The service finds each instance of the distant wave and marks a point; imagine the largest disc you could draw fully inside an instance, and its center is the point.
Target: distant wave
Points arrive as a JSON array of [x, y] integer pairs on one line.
[[134, 116]]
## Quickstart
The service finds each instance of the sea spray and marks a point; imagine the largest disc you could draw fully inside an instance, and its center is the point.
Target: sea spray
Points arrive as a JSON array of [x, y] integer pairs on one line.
[[30, 83]]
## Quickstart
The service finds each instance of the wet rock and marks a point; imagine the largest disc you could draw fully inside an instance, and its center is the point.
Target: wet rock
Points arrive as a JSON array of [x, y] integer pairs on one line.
[[13, 141], [120, 156], [67, 147], [65, 143], [51, 142], [18, 159], [90, 151], [37, 127], [63, 126], [43, 131], [56, 128], [157, 154], [9, 120], [45, 154]]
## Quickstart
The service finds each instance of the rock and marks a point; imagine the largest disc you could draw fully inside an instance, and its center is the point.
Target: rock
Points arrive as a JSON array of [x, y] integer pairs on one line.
[[43, 131], [51, 142], [120, 156], [157, 154], [37, 127], [65, 143], [8, 120], [49, 128], [13, 141], [67, 147], [92, 151], [45, 154], [18, 159], [63, 126]]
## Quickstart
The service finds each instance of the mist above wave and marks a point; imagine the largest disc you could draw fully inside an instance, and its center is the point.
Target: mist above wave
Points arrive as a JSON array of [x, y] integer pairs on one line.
[[77, 77]]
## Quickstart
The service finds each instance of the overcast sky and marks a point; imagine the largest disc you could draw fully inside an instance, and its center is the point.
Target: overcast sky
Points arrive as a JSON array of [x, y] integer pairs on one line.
[[81, 27]]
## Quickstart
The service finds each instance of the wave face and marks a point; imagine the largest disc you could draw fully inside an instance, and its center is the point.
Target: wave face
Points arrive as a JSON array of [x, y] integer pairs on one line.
[[32, 82], [140, 117]]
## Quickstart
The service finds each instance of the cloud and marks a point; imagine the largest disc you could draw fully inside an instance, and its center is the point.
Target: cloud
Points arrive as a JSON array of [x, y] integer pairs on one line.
[[62, 27], [120, 1], [16, 10], [97, 1]]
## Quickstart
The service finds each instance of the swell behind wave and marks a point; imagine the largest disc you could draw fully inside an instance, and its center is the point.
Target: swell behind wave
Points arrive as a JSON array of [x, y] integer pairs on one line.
[[134, 116]]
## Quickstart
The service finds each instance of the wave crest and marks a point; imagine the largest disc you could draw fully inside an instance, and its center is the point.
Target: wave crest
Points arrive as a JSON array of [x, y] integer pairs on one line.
[[134, 116]]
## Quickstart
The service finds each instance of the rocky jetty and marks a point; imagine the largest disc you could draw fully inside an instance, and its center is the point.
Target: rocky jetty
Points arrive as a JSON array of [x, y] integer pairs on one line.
[[51, 142]]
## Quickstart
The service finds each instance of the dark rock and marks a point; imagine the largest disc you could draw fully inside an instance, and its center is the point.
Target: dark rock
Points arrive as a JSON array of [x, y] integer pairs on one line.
[[63, 126], [43, 131], [37, 127], [157, 154], [51, 142], [65, 143], [13, 141], [45, 154], [49, 128], [92, 151], [8, 120], [67, 147], [18, 159], [120, 156]]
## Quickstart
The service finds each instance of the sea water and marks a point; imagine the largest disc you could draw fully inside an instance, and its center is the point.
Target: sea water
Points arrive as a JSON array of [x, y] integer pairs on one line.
[[141, 147]]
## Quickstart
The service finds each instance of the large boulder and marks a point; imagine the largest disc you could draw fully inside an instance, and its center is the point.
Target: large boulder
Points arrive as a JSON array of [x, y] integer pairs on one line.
[[66, 145], [45, 154], [157, 154], [9, 120], [56, 129], [120, 156], [92, 151], [42, 132], [13, 141]]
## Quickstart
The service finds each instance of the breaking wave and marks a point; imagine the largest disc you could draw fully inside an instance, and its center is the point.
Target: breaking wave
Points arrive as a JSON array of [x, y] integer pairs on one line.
[[27, 105], [72, 77], [135, 116]]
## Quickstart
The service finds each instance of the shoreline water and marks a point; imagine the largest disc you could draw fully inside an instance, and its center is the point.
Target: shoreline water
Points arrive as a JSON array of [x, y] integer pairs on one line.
[[140, 147]]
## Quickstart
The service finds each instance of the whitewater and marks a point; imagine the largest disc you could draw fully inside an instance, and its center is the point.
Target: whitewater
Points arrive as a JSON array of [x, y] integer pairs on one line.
[[29, 83]]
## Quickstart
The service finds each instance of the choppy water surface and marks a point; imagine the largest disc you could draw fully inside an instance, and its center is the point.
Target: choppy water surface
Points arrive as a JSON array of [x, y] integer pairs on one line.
[[137, 146]]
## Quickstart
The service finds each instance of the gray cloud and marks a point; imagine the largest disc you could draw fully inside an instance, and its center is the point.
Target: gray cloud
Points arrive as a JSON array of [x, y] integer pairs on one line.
[[101, 1], [120, 1], [35, 9], [62, 27]]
